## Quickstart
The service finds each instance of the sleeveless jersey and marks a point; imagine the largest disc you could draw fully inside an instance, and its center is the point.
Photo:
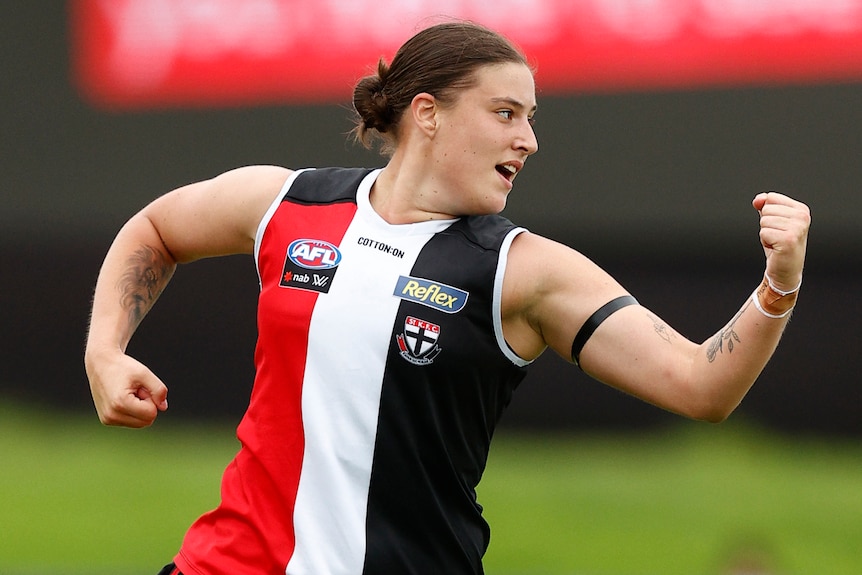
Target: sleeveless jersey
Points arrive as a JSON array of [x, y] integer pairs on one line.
[[381, 372]]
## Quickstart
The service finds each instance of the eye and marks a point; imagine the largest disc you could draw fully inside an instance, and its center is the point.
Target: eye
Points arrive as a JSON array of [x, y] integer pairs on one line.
[[507, 114]]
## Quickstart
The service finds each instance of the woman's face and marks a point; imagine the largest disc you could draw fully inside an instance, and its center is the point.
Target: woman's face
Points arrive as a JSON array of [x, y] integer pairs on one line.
[[484, 138]]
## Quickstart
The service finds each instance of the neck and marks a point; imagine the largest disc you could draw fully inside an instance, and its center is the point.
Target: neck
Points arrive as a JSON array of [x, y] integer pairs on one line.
[[401, 196]]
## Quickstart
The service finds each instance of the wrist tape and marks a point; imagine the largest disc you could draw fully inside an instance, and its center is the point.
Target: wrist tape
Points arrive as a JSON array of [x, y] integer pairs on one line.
[[773, 302]]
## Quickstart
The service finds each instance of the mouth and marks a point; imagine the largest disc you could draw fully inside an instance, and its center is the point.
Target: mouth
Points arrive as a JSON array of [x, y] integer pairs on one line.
[[509, 170]]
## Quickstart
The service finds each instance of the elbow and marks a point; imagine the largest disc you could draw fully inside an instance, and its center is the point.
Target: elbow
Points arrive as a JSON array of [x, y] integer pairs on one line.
[[701, 405], [711, 409], [705, 397], [713, 415]]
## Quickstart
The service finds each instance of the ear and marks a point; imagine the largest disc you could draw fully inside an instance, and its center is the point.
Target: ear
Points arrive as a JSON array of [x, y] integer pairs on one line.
[[424, 109]]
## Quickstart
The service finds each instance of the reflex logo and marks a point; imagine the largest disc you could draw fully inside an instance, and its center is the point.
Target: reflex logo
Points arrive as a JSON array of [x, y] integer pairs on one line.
[[435, 295], [310, 265], [313, 254]]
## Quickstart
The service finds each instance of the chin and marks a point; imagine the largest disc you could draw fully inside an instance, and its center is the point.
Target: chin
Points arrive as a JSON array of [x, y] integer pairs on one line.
[[492, 205]]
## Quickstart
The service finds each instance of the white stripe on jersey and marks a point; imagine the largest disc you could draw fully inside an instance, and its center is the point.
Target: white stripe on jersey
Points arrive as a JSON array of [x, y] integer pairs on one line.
[[350, 335]]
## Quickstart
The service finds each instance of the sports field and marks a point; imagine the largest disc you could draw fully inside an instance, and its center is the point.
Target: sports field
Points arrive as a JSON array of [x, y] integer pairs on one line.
[[76, 498]]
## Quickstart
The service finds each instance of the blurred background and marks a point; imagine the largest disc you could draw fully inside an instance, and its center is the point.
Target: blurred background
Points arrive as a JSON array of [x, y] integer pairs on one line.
[[658, 122]]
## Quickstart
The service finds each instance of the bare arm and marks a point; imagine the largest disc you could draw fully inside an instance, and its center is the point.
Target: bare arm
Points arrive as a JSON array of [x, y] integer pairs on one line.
[[633, 349], [204, 219]]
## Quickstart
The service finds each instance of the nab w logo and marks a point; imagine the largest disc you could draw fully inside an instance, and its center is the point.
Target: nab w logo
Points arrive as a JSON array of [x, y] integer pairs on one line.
[[314, 254]]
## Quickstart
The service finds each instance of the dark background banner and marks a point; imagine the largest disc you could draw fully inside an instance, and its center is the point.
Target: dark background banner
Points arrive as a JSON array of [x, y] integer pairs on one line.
[[655, 186]]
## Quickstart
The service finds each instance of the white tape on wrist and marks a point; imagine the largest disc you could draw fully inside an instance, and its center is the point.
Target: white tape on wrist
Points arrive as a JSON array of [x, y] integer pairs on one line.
[[782, 292]]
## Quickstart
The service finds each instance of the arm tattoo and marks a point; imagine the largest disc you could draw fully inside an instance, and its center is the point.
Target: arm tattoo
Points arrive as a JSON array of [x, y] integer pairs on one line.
[[147, 273], [661, 328], [727, 334]]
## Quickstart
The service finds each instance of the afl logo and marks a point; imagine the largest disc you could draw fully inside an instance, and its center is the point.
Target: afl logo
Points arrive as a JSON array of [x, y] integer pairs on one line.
[[313, 254]]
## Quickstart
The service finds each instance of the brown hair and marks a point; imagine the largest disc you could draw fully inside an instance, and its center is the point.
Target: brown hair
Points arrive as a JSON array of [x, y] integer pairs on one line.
[[438, 60]]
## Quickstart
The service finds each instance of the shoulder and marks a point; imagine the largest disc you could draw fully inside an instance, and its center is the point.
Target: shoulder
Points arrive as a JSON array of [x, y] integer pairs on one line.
[[484, 232], [549, 268], [553, 288], [535, 253], [327, 185], [255, 176]]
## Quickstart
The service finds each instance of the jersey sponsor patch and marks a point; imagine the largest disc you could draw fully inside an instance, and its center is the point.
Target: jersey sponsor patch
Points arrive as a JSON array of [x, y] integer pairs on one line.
[[418, 342], [310, 265], [435, 295]]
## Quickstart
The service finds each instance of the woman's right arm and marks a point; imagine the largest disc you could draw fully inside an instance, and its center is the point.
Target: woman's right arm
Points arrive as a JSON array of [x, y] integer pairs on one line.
[[205, 219]]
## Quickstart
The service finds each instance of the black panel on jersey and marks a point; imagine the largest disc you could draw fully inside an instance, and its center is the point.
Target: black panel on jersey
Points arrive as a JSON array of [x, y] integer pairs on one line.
[[326, 185], [436, 420]]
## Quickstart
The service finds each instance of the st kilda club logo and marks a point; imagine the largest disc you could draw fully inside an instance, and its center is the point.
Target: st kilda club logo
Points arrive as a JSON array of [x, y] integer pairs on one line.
[[418, 343], [310, 265]]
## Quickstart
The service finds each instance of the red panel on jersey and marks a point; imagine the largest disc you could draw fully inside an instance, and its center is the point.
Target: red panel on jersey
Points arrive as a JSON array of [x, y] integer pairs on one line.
[[259, 487]]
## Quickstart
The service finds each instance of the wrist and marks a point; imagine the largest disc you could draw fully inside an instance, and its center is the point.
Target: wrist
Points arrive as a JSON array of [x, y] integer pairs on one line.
[[773, 302], [100, 352]]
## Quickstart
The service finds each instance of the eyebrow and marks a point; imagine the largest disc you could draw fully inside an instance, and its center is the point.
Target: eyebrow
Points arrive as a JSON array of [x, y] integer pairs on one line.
[[512, 102]]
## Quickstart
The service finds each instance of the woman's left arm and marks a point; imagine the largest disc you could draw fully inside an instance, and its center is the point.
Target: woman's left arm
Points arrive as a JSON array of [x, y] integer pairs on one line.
[[633, 349]]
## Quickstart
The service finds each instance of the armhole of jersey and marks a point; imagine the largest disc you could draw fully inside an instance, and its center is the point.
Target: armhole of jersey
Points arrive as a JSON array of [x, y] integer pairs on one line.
[[264, 222], [498, 298]]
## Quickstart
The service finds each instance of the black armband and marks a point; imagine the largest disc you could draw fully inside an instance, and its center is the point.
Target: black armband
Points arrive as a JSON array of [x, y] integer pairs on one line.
[[595, 321]]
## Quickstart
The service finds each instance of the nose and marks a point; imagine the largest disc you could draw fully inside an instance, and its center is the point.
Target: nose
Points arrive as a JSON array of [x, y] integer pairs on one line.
[[526, 140]]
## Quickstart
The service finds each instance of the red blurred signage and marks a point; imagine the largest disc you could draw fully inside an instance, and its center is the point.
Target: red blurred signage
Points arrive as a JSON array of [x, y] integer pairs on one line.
[[131, 54]]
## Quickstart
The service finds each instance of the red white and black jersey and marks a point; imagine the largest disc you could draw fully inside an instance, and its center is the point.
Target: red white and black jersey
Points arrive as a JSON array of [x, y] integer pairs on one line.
[[381, 374]]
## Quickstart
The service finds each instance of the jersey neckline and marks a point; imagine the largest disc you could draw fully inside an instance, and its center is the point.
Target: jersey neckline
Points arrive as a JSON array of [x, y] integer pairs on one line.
[[367, 212]]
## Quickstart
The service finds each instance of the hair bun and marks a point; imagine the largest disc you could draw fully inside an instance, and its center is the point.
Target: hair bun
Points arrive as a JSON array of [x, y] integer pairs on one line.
[[371, 102]]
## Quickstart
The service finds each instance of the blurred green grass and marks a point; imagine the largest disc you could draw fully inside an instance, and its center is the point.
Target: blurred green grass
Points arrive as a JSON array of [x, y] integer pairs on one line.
[[675, 501], [78, 497]]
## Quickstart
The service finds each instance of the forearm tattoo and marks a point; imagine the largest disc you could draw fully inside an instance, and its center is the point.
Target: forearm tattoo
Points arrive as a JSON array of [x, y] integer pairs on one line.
[[727, 337], [147, 273]]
